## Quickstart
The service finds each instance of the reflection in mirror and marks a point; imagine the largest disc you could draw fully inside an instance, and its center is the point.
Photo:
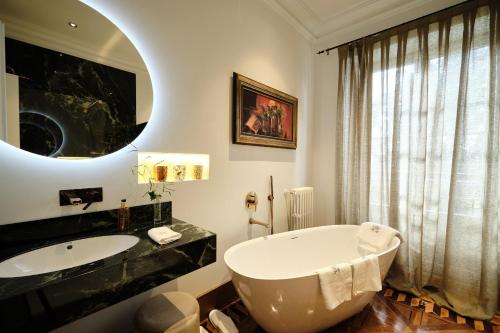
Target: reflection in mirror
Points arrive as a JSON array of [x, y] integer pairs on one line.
[[76, 86]]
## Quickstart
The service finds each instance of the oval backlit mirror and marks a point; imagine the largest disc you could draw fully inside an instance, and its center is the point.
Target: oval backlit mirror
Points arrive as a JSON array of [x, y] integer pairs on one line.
[[75, 85]]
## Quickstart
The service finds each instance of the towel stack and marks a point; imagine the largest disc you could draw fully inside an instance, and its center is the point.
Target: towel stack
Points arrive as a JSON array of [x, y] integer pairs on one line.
[[375, 237], [340, 282], [163, 235]]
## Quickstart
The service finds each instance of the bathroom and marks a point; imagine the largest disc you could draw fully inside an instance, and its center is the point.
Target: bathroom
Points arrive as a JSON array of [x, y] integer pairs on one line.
[[191, 50]]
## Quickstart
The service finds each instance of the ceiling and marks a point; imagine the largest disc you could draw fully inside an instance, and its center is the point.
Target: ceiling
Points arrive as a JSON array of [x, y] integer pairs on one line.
[[337, 20], [325, 22]]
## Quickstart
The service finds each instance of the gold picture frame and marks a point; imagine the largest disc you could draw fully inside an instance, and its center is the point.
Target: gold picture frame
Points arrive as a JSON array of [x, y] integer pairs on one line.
[[263, 116]]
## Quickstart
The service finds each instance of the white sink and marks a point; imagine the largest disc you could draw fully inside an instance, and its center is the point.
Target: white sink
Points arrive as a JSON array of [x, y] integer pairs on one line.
[[65, 255]]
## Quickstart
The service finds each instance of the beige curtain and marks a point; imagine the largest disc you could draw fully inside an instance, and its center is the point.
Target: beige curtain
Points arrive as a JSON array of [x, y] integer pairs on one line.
[[418, 149]]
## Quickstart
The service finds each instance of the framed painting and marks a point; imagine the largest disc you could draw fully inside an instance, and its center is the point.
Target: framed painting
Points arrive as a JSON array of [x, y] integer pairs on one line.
[[263, 116]]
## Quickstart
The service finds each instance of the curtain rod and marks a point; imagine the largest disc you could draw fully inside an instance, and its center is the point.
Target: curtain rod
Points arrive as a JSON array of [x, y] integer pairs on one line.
[[327, 50]]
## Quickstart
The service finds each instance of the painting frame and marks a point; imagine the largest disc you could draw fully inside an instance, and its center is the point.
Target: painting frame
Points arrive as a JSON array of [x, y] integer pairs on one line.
[[281, 137]]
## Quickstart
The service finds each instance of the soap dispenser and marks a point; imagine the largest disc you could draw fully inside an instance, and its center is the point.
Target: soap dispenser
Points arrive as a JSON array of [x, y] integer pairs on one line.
[[123, 216]]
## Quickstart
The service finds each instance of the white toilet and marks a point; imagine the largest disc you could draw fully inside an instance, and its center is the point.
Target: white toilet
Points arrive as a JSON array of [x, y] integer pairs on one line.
[[171, 312]]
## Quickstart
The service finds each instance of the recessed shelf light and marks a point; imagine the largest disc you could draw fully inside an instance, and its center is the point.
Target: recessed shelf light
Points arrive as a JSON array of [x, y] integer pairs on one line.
[[154, 167], [73, 24]]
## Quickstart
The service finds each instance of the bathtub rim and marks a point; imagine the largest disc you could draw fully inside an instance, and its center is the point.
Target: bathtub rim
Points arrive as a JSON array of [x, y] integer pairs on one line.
[[396, 243]]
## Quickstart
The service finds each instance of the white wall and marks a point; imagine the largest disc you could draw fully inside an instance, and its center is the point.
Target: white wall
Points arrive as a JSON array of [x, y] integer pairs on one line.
[[191, 49], [323, 165]]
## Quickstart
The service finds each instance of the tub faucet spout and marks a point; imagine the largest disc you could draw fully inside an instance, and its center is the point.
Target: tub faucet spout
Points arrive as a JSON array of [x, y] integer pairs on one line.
[[254, 221]]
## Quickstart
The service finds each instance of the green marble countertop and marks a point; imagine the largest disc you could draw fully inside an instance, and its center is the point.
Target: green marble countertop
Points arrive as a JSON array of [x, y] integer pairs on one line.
[[63, 296]]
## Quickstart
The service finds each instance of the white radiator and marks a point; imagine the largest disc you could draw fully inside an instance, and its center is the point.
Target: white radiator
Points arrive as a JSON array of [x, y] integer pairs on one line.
[[299, 208]]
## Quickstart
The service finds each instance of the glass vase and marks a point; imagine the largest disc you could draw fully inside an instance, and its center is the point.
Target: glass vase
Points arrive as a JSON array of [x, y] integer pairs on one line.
[[266, 125], [280, 128], [157, 212], [275, 125]]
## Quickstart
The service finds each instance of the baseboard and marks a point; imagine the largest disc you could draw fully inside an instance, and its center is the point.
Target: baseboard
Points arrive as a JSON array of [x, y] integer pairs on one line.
[[217, 298]]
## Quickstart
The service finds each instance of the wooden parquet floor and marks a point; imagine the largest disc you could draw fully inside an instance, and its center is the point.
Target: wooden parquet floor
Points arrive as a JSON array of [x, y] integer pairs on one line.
[[390, 311]]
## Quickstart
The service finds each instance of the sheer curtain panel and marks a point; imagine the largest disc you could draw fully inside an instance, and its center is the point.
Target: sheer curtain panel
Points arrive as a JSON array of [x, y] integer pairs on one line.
[[418, 149]]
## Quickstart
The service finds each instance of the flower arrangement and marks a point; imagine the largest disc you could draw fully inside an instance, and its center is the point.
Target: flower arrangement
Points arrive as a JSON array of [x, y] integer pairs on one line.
[[271, 114], [156, 187]]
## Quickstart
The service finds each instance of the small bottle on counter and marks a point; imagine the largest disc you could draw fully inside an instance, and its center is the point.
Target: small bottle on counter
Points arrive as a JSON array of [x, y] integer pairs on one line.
[[123, 216]]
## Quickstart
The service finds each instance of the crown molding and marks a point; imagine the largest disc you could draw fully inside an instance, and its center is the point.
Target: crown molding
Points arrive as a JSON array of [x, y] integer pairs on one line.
[[40, 36], [350, 10], [341, 31], [357, 20], [372, 11], [292, 20], [306, 9]]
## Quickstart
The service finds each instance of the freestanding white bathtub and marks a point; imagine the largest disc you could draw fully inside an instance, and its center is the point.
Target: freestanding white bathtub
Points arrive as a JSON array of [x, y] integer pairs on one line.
[[276, 280]]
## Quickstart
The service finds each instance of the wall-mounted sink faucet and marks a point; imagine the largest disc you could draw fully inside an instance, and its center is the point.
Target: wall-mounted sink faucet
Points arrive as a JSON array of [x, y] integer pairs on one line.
[[93, 196], [80, 196]]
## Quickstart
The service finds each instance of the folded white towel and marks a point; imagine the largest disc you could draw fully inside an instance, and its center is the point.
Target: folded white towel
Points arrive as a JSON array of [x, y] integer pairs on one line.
[[376, 235], [163, 235], [336, 284], [365, 249], [365, 274]]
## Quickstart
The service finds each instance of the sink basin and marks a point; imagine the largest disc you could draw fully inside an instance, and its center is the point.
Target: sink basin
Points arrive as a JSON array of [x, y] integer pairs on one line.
[[65, 255]]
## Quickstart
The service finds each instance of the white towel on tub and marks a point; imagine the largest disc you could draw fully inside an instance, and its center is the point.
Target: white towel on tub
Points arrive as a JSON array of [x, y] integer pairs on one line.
[[336, 284], [376, 235], [366, 275]]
